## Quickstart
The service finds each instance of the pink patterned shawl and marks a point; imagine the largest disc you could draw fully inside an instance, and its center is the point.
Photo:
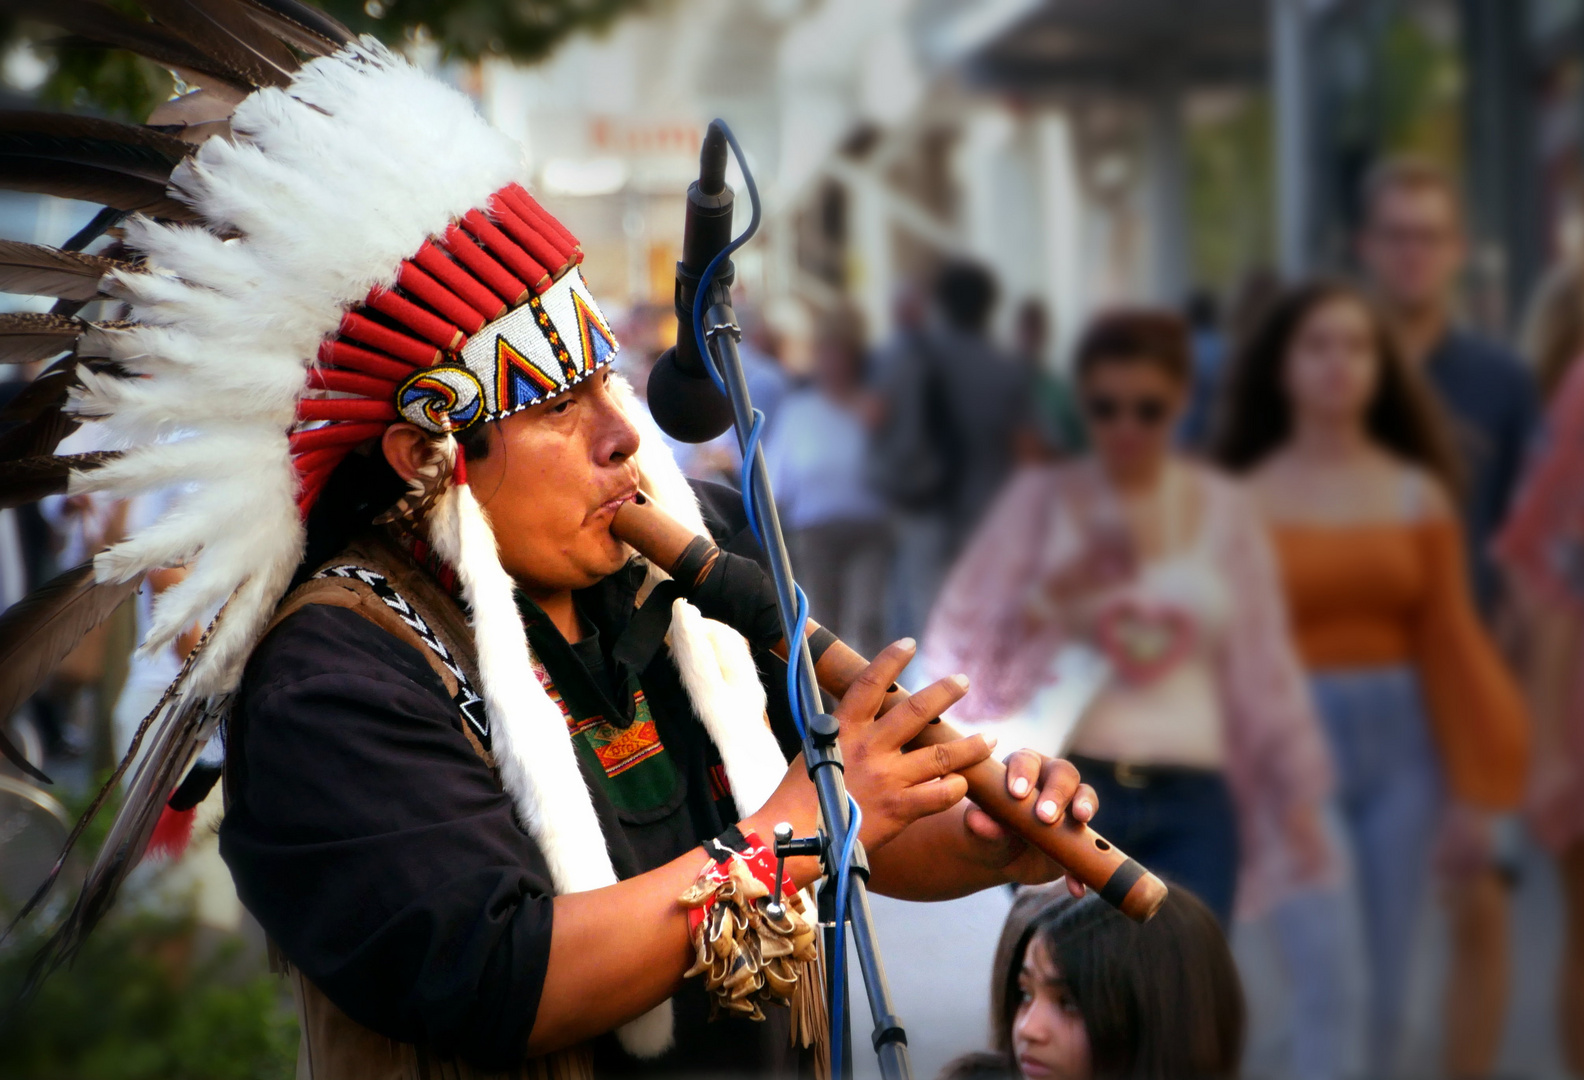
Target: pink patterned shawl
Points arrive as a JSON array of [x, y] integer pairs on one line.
[[1542, 544], [1277, 757]]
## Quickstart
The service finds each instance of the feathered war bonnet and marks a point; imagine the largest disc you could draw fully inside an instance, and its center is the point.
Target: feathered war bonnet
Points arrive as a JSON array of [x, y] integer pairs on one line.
[[317, 249]]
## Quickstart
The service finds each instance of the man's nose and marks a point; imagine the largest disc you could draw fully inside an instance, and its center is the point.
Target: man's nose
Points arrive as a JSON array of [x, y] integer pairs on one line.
[[618, 438]]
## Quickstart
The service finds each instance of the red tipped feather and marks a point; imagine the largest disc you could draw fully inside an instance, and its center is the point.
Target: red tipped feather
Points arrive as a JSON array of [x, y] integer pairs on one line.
[[548, 250], [311, 487], [325, 460], [172, 833], [530, 210]]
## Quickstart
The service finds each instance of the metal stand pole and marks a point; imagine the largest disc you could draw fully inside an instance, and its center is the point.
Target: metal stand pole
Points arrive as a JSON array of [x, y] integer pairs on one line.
[[819, 743]]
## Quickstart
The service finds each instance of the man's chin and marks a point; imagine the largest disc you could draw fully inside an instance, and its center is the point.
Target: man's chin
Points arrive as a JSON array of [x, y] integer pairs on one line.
[[611, 556]]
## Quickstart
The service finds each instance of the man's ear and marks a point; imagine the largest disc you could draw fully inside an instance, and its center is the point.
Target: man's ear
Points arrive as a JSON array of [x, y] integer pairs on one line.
[[408, 448]]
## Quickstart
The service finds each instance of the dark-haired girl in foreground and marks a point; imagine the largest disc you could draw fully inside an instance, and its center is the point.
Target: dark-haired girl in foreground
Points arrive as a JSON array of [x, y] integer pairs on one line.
[[1080, 991]]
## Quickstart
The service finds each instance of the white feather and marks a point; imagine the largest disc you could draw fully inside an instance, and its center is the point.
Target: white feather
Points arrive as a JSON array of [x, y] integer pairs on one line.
[[319, 185]]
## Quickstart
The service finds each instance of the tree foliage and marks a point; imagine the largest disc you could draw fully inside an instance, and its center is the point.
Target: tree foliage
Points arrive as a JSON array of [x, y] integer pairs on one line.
[[524, 30], [114, 83]]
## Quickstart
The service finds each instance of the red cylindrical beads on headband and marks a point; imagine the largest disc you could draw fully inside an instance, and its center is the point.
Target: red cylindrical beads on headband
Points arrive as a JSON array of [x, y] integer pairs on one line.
[[459, 281], [492, 273], [426, 324], [427, 290], [361, 328], [340, 434], [518, 261], [350, 382], [536, 244], [347, 355], [346, 409]]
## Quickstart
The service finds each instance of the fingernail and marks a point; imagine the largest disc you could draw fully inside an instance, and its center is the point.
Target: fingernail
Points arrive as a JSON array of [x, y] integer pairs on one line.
[[907, 643], [1047, 810], [1020, 787], [990, 741], [961, 681], [1085, 807]]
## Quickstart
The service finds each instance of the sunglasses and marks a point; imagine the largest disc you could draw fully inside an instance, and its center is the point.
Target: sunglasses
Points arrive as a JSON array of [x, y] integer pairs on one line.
[[1146, 411]]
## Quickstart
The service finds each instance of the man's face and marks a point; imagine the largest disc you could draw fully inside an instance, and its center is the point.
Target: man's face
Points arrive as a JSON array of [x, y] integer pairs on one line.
[[1413, 246], [551, 482]]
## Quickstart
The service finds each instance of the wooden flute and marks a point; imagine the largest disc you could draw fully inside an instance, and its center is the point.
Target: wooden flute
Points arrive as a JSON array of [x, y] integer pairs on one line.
[[1087, 855]]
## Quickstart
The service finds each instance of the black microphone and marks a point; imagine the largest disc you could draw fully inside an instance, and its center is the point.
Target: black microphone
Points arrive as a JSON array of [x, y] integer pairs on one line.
[[682, 397]]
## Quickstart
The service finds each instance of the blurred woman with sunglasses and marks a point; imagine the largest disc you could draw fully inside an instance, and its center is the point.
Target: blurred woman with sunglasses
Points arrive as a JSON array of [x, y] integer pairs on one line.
[[1349, 462], [1202, 744]]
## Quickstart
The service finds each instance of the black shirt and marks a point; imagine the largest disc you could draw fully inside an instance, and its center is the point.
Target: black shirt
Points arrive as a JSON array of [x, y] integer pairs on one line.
[[382, 856]]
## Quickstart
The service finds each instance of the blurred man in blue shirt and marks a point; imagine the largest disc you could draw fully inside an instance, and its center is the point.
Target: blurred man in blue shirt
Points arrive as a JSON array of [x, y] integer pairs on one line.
[[1414, 247]]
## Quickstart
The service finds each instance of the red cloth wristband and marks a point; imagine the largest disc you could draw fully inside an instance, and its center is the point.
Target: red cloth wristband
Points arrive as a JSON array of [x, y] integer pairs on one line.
[[755, 854]]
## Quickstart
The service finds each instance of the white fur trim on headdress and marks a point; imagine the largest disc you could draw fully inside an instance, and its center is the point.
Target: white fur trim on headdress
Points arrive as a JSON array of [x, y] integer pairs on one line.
[[718, 672], [533, 750]]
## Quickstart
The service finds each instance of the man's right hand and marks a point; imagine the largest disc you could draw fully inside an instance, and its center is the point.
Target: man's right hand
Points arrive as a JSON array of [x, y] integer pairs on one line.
[[893, 787]]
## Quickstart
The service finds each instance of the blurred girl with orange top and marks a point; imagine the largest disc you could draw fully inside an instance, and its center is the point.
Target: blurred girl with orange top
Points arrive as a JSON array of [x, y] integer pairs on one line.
[[1352, 469]]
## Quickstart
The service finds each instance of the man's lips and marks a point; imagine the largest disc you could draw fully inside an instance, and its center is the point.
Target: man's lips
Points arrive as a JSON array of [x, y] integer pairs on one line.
[[609, 507]]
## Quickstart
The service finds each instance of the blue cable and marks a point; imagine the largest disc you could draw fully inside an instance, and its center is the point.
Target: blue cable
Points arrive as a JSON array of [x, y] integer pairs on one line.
[[725, 253], [794, 685], [750, 495], [839, 960]]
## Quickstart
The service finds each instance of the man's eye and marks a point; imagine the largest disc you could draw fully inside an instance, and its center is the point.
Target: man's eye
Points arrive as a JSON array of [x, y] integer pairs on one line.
[[561, 406]]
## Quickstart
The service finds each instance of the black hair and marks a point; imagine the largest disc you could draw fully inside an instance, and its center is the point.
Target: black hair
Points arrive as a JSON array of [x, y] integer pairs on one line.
[[966, 293], [362, 488], [1256, 417], [1160, 1000], [979, 1065], [1136, 335]]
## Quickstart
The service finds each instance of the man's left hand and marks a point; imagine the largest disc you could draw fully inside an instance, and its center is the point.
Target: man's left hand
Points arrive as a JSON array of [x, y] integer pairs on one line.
[[1060, 793]]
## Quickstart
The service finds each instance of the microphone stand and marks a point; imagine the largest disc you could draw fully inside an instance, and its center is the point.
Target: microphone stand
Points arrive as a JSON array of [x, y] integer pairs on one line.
[[819, 740], [819, 730]]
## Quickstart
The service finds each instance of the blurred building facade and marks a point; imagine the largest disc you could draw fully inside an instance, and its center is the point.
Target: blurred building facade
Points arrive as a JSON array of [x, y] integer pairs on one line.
[[1090, 151]]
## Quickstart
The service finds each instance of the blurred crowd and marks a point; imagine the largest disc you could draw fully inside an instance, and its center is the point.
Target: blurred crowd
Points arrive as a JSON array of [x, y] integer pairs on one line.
[[1296, 579]]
